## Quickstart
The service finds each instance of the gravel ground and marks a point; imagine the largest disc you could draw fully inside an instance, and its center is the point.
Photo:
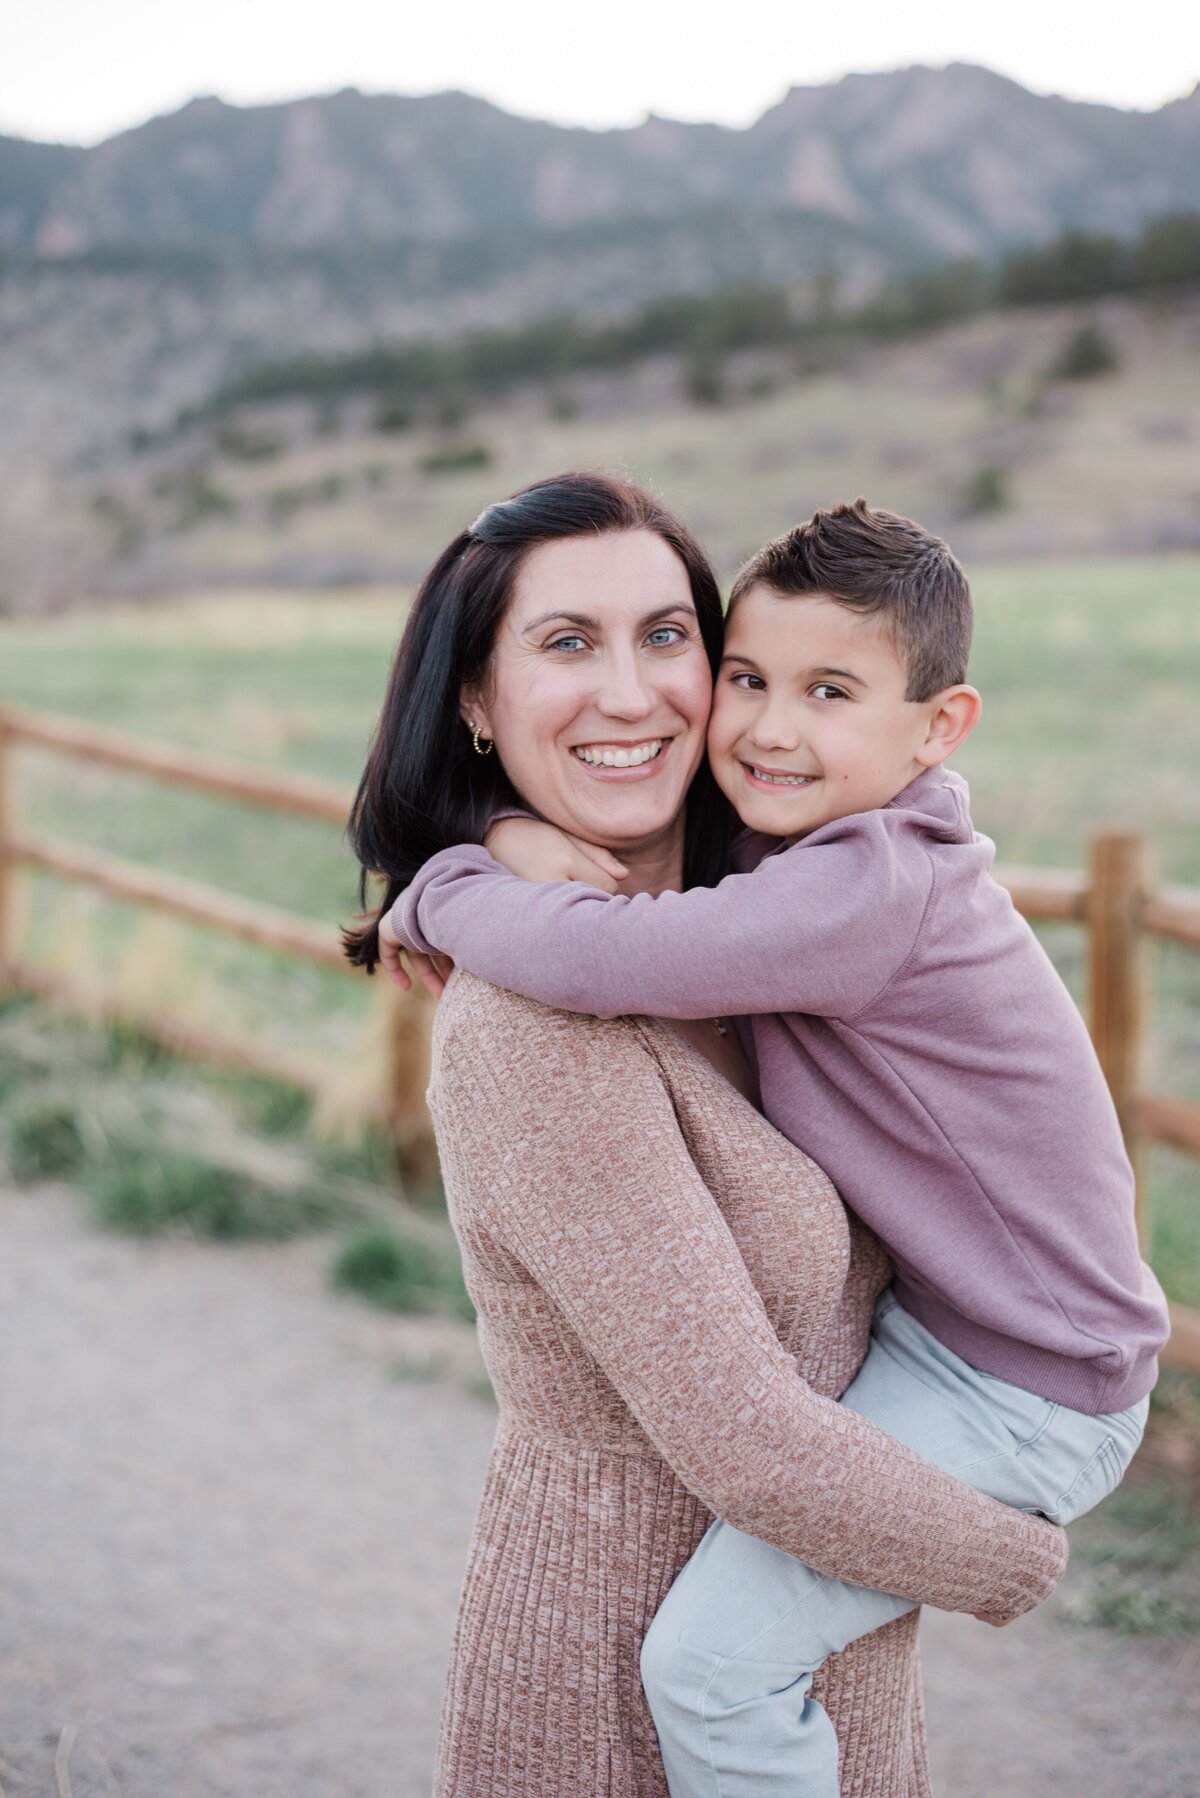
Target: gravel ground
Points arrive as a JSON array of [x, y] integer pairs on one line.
[[233, 1514]]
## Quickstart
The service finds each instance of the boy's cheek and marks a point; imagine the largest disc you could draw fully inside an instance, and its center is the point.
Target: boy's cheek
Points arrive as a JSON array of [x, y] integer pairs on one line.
[[721, 728], [722, 762], [716, 750]]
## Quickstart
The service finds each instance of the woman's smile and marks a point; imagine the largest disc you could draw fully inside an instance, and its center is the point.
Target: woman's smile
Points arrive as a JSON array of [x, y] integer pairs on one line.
[[639, 760]]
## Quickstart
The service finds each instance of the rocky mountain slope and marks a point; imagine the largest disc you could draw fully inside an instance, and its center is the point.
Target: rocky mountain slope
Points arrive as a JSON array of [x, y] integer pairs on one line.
[[954, 161]]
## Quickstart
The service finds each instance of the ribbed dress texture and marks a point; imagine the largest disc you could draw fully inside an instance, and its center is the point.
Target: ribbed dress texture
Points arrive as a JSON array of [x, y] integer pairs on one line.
[[669, 1297]]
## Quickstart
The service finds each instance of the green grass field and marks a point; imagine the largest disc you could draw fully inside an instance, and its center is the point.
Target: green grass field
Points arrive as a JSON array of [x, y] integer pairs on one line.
[[1089, 672]]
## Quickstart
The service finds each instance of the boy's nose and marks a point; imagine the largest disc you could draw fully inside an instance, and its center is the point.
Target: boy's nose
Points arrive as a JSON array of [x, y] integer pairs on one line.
[[774, 729]]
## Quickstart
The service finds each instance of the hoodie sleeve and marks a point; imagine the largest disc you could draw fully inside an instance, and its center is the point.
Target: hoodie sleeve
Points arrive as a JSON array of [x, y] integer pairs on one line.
[[820, 928]]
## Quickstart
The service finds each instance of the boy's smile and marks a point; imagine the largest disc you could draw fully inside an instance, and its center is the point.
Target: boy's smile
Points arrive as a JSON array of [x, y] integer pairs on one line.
[[810, 720]]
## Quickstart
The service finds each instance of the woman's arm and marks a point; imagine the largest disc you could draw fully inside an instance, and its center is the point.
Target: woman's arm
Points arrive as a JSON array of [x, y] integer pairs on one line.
[[587, 1180], [820, 928]]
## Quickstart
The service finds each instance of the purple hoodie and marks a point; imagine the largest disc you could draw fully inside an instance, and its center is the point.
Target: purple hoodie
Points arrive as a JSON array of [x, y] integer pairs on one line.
[[911, 1036]]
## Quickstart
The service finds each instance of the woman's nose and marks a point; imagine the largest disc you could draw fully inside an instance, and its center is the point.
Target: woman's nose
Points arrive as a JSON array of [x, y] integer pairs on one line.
[[626, 691]]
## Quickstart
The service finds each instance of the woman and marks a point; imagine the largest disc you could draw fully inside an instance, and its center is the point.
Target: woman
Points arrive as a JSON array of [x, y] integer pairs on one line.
[[657, 1272]]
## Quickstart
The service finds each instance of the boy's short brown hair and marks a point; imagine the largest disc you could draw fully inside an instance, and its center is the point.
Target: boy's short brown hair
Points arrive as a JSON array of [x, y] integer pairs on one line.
[[878, 562]]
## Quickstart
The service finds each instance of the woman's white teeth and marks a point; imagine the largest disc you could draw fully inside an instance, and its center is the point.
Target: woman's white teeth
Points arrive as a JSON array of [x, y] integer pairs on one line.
[[598, 757]]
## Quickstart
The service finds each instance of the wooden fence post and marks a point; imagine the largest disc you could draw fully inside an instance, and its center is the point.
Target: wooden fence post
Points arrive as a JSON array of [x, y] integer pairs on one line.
[[9, 896], [409, 1024], [1118, 990]]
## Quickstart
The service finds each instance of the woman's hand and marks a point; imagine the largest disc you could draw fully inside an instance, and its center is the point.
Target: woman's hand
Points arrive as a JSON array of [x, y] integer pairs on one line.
[[538, 851], [432, 971]]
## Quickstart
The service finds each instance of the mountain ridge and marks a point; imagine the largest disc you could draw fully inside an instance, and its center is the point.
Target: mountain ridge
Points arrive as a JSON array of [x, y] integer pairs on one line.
[[964, 160]]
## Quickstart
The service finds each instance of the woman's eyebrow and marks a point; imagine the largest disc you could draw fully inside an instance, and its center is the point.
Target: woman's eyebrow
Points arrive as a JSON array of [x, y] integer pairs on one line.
[[562, 618], [592, 623]]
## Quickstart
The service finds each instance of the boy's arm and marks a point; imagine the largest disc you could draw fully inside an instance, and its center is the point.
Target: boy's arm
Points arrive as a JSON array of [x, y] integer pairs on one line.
[[819, 928], [584, 1168]]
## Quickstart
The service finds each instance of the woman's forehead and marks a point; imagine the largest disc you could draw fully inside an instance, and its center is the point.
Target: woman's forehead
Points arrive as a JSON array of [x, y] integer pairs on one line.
[[608, 576]]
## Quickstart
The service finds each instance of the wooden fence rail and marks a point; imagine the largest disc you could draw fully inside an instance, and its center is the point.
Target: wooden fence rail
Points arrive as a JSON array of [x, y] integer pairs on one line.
[[1113, 901], [405, 1075]]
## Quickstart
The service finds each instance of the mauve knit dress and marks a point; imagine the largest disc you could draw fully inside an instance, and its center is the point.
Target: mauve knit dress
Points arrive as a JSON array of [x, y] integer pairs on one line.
[[654, 1267]]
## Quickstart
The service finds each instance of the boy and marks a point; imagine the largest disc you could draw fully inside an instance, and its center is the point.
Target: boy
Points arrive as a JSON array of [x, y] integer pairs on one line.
[[911, 1036]]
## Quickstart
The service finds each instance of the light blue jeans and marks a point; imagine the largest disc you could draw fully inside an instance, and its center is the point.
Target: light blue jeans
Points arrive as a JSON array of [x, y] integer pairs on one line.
[[728, 1662]]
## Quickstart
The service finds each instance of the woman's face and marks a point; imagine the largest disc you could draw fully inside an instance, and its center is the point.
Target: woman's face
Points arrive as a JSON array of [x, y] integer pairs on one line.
[[598, 690]]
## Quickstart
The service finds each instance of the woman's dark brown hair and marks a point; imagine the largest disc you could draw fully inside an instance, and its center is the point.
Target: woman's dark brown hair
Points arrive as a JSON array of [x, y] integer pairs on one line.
[[423, 789]]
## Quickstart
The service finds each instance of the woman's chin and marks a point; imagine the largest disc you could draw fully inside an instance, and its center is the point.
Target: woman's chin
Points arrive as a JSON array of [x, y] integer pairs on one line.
[[626, 818], [626, 811]]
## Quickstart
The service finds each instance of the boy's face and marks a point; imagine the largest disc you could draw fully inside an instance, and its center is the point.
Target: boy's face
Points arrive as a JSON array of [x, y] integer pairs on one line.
[[809, 720]]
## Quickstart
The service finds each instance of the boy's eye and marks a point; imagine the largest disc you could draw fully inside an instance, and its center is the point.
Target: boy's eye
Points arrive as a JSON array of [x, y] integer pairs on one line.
[[826, 690], [749, 683]]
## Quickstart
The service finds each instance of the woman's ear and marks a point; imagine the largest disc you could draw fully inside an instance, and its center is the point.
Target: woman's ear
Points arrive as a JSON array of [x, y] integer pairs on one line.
[[953, 715], [473, 710]]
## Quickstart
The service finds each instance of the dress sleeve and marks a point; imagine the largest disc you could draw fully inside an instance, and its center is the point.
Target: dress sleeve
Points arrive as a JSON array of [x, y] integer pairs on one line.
[[819, 928], [590, 1185]]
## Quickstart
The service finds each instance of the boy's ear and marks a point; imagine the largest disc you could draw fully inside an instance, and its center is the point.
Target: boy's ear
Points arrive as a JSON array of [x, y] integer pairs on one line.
[[952, 716]]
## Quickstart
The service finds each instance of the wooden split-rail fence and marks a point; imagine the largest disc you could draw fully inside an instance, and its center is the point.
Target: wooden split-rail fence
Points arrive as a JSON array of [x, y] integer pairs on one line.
[[1115, 900]]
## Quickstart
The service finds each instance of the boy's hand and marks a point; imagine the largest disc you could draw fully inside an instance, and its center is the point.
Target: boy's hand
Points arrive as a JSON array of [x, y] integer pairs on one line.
[[432, 971], [539, 851], [996, 1622]]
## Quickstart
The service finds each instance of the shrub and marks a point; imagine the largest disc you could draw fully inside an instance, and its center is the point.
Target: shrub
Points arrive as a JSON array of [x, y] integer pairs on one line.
[[393, 413], [453, 457], [145, 1190], [704, 377], [1085, 354], [926, 300], [119, 1046], [401, 1273], [1169, 250], [451, 410], [762, 386], [200, 498], [121, 520], [45, 1138], [986, 490], [284, 502], [248, 446], [1073, 267], [561, 405]]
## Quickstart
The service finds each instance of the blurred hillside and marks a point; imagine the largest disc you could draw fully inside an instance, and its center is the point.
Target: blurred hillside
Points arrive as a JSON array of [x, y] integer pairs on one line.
[[1066, 428], [293, 343]]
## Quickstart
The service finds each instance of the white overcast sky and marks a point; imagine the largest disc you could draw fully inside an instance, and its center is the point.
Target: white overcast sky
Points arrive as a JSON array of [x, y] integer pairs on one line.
[[75, 71]]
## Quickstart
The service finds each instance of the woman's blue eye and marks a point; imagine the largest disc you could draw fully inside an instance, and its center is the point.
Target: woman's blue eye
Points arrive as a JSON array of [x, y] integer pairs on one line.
[[665, 635], [570, 644]]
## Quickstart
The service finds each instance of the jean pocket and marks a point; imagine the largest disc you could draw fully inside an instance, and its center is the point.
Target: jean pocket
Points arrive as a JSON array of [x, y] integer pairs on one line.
[[1095, 1480]]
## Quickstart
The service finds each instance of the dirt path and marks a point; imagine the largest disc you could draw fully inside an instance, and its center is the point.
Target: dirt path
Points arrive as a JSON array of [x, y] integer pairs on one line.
[[233, 1515]]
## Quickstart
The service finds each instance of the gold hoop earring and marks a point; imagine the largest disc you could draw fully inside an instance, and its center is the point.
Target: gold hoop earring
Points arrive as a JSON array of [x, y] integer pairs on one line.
[[476, 733]]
